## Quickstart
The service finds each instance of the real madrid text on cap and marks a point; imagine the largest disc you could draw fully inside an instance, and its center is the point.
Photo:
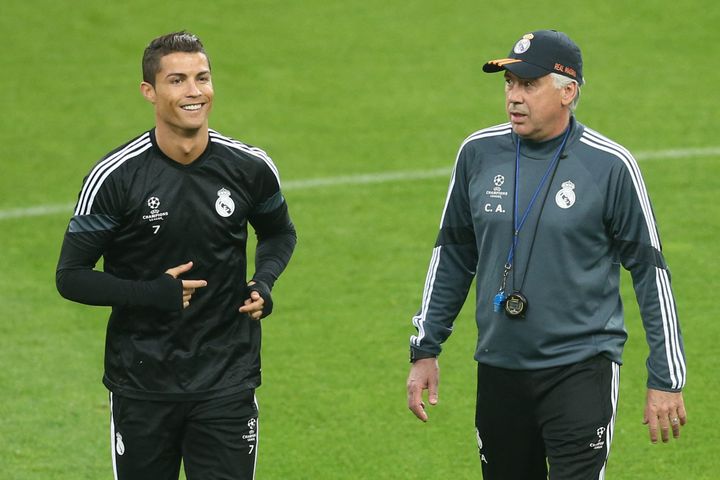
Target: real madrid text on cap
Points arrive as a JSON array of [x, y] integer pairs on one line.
[[539, 53]]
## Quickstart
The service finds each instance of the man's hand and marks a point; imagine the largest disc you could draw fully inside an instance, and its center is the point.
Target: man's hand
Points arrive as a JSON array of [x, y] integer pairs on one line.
[[424, 375], [259, 303], [665, 410], [189, 286], [253, 306]]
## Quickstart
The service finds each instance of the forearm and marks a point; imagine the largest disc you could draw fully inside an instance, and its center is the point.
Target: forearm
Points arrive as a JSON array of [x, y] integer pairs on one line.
[[666, 361], [76, 279], [449, 277], [276, 238], [272, 255], [92, 287]]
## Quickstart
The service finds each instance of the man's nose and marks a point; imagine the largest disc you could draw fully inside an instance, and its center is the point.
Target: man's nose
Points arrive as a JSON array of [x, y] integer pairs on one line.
[[192, 89], [513, 94]]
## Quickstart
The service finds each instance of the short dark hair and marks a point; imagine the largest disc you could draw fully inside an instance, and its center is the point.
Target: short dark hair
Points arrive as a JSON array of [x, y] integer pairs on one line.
[[164, 45]]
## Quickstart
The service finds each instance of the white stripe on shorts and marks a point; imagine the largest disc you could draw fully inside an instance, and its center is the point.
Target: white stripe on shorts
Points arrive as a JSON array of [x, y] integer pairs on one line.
[[112, 438], [614, 391]]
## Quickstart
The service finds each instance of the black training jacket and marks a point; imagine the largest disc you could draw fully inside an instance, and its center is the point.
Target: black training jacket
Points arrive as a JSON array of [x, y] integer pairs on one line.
[[144, 213]]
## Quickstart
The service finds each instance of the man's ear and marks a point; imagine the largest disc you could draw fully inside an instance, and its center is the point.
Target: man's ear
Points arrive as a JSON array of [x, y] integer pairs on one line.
[[568, 93], [148, 91]]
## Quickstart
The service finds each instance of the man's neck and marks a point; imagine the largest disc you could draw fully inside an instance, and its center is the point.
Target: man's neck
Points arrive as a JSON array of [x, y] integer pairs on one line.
[[183, 147]]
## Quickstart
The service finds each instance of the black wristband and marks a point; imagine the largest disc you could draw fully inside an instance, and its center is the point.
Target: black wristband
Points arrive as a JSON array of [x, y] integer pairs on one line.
[[264, 290]]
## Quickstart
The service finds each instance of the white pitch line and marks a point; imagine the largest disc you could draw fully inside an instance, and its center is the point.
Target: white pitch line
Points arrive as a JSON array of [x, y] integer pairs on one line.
[[38, 211], [678, 153], [365, 178]]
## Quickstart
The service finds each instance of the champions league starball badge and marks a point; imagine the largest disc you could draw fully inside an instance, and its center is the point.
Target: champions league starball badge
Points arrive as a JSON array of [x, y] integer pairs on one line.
[[516, 305]]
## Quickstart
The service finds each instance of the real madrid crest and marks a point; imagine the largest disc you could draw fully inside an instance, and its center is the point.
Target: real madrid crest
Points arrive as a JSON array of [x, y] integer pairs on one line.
[[224, 205], [565, 198], [523, 44]]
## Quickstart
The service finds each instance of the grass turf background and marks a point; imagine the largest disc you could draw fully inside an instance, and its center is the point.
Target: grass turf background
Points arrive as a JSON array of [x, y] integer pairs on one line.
[[330, 89]]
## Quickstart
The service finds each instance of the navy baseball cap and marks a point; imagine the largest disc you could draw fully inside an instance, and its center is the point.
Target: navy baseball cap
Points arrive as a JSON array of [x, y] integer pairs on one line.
[[539, 53]]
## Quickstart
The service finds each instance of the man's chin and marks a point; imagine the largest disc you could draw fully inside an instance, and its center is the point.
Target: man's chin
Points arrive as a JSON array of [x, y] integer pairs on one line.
[[519, 128]]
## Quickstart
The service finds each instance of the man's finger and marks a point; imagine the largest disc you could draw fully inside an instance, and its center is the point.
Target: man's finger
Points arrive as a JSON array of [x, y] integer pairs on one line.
[[417, 406], [180, 269], [682, 414], [253, 304], [664, 429], [419, 411], [653, 429], [675, 424], [415, 403], [193, 284], [433, 392]]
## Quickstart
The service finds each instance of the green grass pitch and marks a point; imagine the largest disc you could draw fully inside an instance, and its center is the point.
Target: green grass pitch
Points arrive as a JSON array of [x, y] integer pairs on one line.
[[338, 90]]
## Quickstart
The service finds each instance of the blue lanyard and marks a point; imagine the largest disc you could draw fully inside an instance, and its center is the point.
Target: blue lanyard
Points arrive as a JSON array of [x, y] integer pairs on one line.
[[519, 222]]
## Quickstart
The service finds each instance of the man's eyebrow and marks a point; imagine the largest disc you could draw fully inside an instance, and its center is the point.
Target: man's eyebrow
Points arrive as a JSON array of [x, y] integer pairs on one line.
[[184, 75]]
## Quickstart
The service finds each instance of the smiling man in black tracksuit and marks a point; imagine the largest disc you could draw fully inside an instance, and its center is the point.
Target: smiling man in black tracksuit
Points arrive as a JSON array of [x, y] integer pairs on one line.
[[543, 211], [169, 212]]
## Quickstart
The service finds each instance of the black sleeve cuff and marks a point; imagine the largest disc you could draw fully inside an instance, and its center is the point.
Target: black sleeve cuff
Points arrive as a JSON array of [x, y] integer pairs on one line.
[[416, 354]]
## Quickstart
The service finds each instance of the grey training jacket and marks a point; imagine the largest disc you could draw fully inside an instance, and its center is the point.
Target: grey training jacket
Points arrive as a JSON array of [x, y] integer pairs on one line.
[[594, 215]]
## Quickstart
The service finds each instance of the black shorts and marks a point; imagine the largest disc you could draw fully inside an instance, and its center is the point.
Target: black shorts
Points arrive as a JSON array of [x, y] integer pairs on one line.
[[215, 439], [558, 418]]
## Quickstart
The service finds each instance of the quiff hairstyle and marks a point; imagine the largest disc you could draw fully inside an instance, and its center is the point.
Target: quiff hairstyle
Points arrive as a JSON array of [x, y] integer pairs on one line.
[[164, 45]]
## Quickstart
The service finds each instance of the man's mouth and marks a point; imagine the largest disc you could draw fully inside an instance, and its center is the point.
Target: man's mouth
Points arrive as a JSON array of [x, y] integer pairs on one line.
[[192, 107]]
